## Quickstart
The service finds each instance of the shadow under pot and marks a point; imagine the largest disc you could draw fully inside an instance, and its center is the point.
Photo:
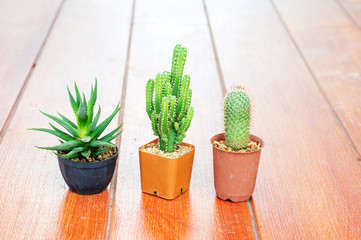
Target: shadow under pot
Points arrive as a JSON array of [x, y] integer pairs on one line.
[[88, 178], [235, 173], [165, 177]]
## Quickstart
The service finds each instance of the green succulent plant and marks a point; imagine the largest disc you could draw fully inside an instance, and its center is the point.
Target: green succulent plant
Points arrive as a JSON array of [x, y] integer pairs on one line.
[[237, 117], [168, 100], [82, 139]]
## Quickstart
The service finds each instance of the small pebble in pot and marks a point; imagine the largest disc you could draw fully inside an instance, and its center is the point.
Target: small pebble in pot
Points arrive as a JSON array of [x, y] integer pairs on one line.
[[252, 146], [153, 148]]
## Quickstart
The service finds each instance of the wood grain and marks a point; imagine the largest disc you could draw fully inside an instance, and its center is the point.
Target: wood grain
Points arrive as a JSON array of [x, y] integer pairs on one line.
[[353, 9], [24, 26], [333, 54], [83, 217], [197, 214], [309, 180], [89, 39]]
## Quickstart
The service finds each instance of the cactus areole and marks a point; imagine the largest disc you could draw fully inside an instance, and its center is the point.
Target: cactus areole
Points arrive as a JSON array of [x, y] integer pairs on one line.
[[168, 100], [237, 117]]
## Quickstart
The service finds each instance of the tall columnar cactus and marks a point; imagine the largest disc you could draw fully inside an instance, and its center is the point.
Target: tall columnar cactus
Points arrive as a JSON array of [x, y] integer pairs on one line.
[[168, 100], [237, 117]]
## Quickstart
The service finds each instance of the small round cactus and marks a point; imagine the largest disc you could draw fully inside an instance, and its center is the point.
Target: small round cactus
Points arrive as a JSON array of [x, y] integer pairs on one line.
[[237, 117]]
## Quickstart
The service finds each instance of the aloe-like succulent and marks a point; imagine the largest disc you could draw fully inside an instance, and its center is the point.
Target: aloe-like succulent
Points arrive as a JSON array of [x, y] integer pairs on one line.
[[168, 100], [237, 117], [82, 139]]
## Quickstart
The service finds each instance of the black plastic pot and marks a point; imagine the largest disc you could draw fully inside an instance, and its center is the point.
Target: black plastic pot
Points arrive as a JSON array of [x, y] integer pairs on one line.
[[88, 178]]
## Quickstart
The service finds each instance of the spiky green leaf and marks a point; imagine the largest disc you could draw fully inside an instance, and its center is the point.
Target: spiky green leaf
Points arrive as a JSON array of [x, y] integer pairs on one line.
[[66, 125], [98, 143], [109, 136], [86, 153], [73, 103], [75, 155], [114, 136], [85, 102], [99, 152], [72, 152], [82, 115], [58, 130], [92, 100], [66, 146], [94, 122], [102, 126], [68, 121], [78, 97], [59, 134]]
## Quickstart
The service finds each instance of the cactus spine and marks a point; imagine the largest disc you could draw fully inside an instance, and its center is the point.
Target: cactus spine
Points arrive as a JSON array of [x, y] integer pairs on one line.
[[237, 117], [168, 100]]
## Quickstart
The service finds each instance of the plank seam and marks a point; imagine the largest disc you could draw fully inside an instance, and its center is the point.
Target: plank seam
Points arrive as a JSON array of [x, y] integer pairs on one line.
[[322, 92], [347, 13], [121, 119], [223, 86], [28, 76], [254, 225], [219, 69]]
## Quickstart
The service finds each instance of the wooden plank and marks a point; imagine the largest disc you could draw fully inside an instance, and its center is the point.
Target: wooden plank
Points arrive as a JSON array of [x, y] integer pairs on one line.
[[197, 214], [353, 9], [89, 39], [82, 217], [24, 27], [309, 181], [333, 54]]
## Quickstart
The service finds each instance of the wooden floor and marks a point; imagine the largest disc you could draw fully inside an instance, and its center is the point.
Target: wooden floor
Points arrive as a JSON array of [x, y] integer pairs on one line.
[[300, 59]]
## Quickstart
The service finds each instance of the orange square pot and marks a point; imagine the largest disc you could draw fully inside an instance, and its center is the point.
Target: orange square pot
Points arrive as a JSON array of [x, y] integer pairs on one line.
[[165, 177]]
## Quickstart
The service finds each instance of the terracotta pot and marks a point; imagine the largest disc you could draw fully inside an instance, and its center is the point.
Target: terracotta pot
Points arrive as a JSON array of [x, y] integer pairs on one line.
[[165, 177], [235, 173]]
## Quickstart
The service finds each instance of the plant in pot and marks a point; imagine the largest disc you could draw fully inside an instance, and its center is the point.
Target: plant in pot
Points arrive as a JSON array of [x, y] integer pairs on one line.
[[166, 163], [236, 153], [86, 160]]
